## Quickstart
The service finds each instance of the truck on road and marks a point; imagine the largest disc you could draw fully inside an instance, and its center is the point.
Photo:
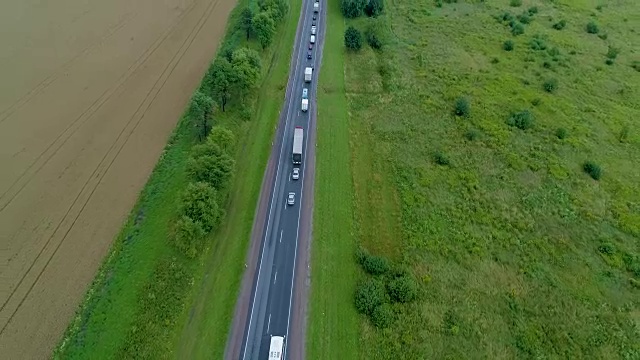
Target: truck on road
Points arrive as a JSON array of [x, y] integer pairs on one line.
[[305, 104], [298, 135], [276, 348], [308, 73], [316, 7]]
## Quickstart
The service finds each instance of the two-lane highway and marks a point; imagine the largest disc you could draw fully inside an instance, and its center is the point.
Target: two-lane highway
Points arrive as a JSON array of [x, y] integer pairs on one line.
[[270, 308]]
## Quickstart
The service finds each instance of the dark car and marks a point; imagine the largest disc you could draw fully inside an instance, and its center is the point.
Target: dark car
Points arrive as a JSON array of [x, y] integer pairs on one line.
[[310, 46], [313, 23], [308, 54], [315, 16]]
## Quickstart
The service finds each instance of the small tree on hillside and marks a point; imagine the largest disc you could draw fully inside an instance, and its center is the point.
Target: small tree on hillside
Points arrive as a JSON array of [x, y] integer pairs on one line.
[[374, 8], [199, 204], [353, 38], [222, 137], [245, 63], [265, 28], [220, 80], [214, 170], [247, 21], [199, 111]]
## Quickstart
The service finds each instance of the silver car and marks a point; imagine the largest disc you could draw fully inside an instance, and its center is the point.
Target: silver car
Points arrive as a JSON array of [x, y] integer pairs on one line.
[[296, 174], [305, 93], [291, 199]]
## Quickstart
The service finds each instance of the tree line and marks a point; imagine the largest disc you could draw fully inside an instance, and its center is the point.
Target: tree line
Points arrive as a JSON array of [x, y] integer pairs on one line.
[[262, 23]]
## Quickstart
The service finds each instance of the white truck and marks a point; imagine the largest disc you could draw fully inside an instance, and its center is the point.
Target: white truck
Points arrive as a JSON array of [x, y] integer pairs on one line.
[[308, 72], [313, 30], [305, 104], [316, 7], [298, 135], [276, 348]]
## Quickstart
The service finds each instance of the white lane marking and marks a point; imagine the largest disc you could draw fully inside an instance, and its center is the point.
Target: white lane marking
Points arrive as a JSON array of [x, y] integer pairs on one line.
[[269, 324], [275, 184], [275, 278], [281, 231]]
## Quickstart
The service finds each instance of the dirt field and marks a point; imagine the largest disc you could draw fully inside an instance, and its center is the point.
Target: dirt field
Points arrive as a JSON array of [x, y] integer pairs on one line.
[[90, 92]]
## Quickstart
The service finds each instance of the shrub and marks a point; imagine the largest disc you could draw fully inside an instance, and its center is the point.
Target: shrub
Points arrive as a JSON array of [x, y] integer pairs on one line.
[[536, 101], [603, 36], [462, 107], [636, 65], [612, 53], [517, 29], [472, 135], [507, 17], [547, 64], [189, 236], [623, 136], [524, 18], [550, 85], [382, 316], [369, 294], [199, 203], [352, 8], [222, 137], [441, 159], [523, 120], [609, 61], [560, 25], [438, 3], [533, 10], [592, 28], [374, 8], [214, 170], [607, 248], [515, 3], [538, 43], [375, 265], [508, 45], [352, 38], [592, 169], [561, 133], [495, 60], [372, 39], [403, 289]]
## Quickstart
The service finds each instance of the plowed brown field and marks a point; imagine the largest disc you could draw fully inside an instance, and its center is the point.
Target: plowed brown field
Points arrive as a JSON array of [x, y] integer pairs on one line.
[[90, 91]]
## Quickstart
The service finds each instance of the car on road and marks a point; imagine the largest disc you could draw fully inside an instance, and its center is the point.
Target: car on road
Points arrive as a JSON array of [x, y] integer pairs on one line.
[[308, 54], [313, 23], [296, 174], [312, 39], [291, 199], [313, 30], [305, 94], [315, 17], [310, 46]]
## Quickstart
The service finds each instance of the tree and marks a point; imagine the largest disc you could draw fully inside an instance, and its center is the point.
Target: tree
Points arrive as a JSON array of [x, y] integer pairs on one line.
[[369, 295], [403, 289], [375, 265], [246, 69], [219, 82], [189, 236], [199, 111], [212, 169], [374, 8], [353, 38], [265, 28], [277, 8], [246, 19], [352, 8], [199, 204], [382, 316], [222, 137]]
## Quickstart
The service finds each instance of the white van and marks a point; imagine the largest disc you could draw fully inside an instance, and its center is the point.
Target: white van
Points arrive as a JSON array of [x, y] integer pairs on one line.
[[313, 30], [313, 39]]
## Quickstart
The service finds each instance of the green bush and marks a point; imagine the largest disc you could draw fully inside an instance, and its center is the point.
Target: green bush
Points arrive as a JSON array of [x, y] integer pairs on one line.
[[515, 3], [403, 289], [199, 203], [550, 85], [369, 295], [372, 39], [508, 45], [560, 25], [462, 107], [636, 65], [533, 10], [214, 170], [506, 17], [603, 36], [472, 135], [536, 101], [517, 29], [523, 120], [592, 169], [189, 236], [222, 137], [375, 265], [352, 8], [592, 28], [561, 133], [441, 159], [538, 43], [609, 61], [607, 248], [352, 38], [374, 8], [382, 316], [612, 53], [524, 18]]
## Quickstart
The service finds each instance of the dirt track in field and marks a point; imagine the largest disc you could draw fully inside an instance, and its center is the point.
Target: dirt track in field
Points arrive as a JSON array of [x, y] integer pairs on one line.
[[90, 91]]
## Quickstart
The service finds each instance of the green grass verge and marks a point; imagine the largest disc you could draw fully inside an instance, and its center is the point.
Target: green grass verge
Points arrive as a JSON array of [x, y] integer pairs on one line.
[[138, 305], [333, 323], [208, 321], [518, 252]]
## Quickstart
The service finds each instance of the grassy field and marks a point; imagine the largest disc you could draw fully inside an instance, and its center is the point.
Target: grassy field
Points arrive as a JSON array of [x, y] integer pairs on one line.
[[207, 323], [519, 253], [148, 300]]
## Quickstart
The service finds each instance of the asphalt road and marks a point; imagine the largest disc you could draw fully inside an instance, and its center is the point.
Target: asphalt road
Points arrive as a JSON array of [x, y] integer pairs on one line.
[[272, 295]]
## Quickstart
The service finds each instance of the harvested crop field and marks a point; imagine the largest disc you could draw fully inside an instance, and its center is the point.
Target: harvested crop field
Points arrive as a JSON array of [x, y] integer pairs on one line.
[[90, 92]]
